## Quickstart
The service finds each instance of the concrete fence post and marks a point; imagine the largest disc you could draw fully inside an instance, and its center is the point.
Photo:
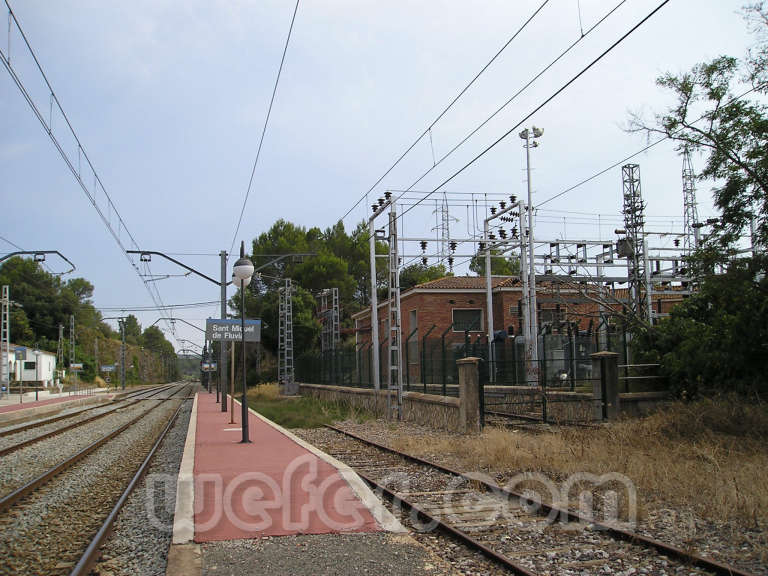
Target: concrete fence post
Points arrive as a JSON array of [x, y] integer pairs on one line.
[[469, 395], [605, 385]]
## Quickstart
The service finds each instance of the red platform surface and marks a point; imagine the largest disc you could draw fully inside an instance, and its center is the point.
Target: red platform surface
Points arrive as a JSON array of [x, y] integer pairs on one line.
[[271, 487], [29, 403]]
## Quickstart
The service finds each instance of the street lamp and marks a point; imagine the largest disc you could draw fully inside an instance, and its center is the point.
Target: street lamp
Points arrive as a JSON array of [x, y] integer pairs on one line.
[[241, 277], [529, 136]]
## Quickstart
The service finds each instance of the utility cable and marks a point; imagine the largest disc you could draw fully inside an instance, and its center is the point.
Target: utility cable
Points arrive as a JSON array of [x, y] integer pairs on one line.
[[645, 149], [428, 129], [81, 153], [515, 95], [264, 129], [542, 105]]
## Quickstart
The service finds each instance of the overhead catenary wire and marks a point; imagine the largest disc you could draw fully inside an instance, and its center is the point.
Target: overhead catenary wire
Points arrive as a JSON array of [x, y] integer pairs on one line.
[[264, 129], [81, 152], [188, 305], [644, 149], [428, 129], [515, 95], [543, 104]]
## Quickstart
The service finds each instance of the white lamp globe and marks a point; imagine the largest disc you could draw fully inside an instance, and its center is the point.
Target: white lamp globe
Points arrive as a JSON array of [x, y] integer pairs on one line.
[[242, 272]]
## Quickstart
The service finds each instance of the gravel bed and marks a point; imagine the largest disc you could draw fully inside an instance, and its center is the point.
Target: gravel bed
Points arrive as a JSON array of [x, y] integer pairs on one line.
[[24, 435], [78, 414], [48, 530], [327, 554], [143, 529], [19, 467], [67, 408], [529, 540], [745, 548]]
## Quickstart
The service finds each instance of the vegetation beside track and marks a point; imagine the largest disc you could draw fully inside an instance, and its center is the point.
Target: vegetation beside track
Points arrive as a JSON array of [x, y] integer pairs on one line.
[[298, 412], [710, 455]]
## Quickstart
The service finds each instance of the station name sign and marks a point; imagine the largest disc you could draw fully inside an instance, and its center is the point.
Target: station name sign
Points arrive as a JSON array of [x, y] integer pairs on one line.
[[228, 330]]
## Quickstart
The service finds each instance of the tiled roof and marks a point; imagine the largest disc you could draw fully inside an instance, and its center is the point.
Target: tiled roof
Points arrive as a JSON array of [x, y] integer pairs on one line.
[[468, 283]]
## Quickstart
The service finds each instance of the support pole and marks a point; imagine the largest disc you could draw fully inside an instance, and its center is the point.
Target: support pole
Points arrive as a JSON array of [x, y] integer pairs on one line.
[[374, 307], [489, 304], [222, 379], [232, 386]]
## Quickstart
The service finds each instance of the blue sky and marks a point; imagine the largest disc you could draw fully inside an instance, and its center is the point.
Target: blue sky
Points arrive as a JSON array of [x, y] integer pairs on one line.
[[169, 98]]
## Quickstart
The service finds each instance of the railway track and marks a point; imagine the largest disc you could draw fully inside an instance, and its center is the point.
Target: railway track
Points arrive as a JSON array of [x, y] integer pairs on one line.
[[22, 436], [515, 530], [14, 429], [47, 523]]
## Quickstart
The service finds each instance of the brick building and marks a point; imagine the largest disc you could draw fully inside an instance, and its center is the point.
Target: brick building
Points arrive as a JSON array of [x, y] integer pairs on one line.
[[454, 305]]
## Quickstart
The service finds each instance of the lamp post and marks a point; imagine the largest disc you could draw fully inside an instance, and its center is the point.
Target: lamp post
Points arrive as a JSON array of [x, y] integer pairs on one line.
[[529, 136], [241, 277]]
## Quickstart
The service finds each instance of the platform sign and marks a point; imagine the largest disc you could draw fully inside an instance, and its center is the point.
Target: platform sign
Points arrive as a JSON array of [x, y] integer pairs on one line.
[[107, 367], [208, 366], [228, 330], [76, 367]]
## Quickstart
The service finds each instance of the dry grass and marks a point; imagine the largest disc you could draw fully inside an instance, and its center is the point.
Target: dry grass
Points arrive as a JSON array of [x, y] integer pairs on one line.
[[298, 411], [710, 456]]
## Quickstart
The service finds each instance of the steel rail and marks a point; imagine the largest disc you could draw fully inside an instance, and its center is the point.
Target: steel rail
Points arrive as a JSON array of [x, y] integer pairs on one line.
[[451, 530], [91, 554], [57, 431], [719, 568], [11, 498], [38, 423]]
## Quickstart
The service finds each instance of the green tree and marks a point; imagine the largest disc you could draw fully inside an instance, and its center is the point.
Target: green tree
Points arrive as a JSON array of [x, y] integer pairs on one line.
[[712, 115], [715, 340], [500, 265], [132, 329], [415, 274]]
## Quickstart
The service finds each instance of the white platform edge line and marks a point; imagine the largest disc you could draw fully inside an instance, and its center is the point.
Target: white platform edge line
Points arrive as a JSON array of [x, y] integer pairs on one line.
[[184, 516], [383, 517]]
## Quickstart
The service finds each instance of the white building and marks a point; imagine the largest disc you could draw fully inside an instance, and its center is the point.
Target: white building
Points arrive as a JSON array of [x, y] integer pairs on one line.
[[31, 365]]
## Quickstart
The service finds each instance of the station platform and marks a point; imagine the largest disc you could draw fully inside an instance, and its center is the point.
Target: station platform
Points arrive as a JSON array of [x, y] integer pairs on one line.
[[278, 506], [12, 403], [277, 485]]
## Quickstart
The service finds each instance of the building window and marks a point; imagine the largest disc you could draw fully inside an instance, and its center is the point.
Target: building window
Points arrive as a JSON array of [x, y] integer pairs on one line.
[[468, 319], [413, 343], [29, 366], [552, 315]]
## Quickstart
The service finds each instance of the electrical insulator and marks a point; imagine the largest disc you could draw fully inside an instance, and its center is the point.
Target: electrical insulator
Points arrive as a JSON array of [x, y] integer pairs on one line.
[[381, 201], [492, 236], [493, 209], [677, 242], [502, 233], [482, 245], [387, 194], [375, 207], [423, 245], [450, 261], [452, 244], [514, 231], [513, 198], [503, 204], [424, 260]]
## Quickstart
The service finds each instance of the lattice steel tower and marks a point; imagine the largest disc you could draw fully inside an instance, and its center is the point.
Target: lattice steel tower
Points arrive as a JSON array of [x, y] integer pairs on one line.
[[329, 316], [634, 247], [285, 344], [395, 381], [5, 337], [690, 212]]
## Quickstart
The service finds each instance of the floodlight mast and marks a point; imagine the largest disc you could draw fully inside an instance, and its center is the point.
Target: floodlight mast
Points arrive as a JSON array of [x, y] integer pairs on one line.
[[530, 142], [378, 209]]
